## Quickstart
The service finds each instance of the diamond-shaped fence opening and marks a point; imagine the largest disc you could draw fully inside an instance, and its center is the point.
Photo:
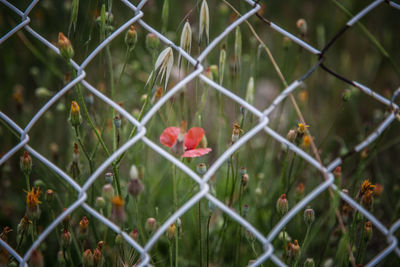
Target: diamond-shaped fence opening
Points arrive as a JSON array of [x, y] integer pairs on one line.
[[142, 124]]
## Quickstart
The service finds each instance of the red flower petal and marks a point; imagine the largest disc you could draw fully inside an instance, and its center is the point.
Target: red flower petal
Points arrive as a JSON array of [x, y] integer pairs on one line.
[[193, 137], [169, 136], [198, 152]]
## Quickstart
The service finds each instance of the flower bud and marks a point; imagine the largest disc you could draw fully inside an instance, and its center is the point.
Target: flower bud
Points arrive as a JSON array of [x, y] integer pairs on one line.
[[100, 203], [49, 196], [83, 227], [301, 128], [65, 47], [134, 173], [245, 209], [152, 42], [60, 258], [346, 95], [108, 192], [245, 179], [117, 121], [201, 168], [135, 187], [118, 212], [302, 26], [337, 172], [282, 205], [378, 190], [368, 231], [119, 240], [243, 170], [171, 232], [26, 163], [309, 216], [66, 238], [134, 234], [309, 262], [36, 259], [87, 258], [109, 177], [300, 188], [151, 225], [75, 117], [291, 136], [97, 257], [131, 38]]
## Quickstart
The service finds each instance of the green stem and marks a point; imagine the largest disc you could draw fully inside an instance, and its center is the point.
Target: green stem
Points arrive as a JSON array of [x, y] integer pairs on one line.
[[83, 148], [175, 193], [170, 255], [200, 237], [208, 240], [28, 184]]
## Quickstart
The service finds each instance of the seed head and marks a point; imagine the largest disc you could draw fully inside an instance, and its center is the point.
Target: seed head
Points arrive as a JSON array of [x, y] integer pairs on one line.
[[117, 121], [201, 168], [204, 22], [186, 40], [163, 66], [109, 177]]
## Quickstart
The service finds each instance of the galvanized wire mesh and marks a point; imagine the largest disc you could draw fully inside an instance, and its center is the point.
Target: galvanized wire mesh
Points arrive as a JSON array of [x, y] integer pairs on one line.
[[204, 192]]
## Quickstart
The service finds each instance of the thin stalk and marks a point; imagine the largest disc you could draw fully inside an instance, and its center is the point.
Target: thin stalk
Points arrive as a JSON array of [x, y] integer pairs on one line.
[[28, 184], [175, 193], [139, 226], [83, 148], [305, 244], [170, 255], [208, 240], [123, 67], [200, 237]]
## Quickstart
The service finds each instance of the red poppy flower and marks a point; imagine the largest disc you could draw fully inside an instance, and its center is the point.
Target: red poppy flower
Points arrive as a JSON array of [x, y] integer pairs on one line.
[[172, 137]]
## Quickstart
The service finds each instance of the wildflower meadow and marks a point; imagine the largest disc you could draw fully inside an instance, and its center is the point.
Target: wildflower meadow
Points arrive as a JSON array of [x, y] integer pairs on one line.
[[199, 133]]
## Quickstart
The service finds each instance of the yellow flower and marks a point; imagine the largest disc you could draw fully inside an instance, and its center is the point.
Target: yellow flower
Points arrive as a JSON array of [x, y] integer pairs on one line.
[[301, 127]]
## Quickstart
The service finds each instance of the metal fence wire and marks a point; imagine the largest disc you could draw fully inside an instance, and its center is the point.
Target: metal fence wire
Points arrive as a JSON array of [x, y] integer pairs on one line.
[[263, 116]]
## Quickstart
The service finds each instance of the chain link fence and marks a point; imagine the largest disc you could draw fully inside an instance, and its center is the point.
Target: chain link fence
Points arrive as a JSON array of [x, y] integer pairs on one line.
[[204, 192]]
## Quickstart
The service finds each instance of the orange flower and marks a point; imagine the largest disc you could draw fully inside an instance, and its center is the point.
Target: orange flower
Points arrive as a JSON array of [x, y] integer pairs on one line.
[[32, 197], [366, 186]]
